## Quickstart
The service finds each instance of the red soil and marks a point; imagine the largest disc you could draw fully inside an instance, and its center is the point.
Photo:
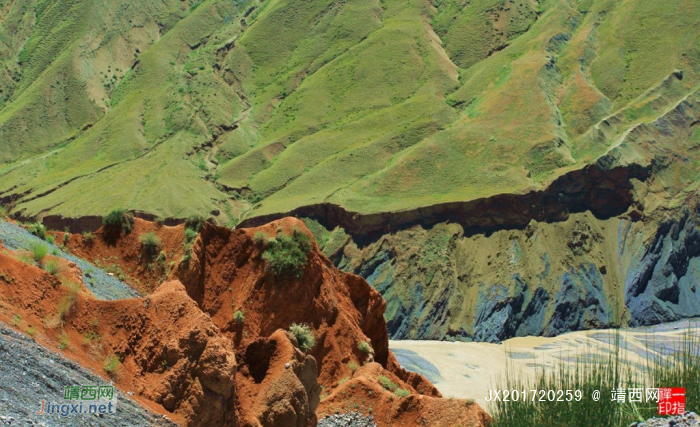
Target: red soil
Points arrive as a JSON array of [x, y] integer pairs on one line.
[[183, 354], [126, 255]]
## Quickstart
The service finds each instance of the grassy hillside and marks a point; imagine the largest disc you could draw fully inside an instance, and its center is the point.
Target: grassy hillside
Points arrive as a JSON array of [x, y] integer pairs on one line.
[[242, 108]]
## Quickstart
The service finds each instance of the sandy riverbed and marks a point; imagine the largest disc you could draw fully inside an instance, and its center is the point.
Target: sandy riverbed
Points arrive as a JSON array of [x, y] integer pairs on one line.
[[469, 370]]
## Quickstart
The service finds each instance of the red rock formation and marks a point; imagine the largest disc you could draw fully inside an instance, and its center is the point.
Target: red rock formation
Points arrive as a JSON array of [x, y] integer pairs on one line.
[[183, 353]]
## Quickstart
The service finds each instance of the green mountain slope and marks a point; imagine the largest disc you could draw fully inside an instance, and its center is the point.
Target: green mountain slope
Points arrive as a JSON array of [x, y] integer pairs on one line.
[[252, 108], [493, 167]]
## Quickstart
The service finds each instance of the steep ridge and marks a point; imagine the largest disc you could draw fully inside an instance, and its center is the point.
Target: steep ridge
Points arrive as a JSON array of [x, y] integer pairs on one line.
[[583, 270], [514, 265], [416, 133], [601, 188], [182, 353], [379, 106]]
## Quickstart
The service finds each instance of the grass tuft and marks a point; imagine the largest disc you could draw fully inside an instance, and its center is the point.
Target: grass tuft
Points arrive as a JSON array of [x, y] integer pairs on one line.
[[150, 243], [38, 230], [119, 221], [88, 237], [260, 238], [195, 222], [287, 255], [304, 335], [91, 337], [402, 392], [112, 365], [387, 384], [364, 347], [66, 303], [39, 251], [52, 267], [602, 371], [190, 235], [16, 319], [239, 317], [63, 341]]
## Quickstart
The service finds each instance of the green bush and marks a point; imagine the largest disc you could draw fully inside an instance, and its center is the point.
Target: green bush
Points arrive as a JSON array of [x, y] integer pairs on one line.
[[239, 317], [38, 230], [402, 392], [287, 255], [52, 267], [63, 341], [88, 237], [364, 347], [195, 222], [150, 243], [50, 239], [111, 365], [387, 384], [118, 221], [260, 238], [190, 235], [304, 335], [39, 251], [353, 366], [3, 213]]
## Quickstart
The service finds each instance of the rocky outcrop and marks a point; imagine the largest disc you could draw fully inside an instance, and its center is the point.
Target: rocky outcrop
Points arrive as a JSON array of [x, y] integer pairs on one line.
[[662, 285], [181, 350], [603, 188], [547, 279], [612, 244]]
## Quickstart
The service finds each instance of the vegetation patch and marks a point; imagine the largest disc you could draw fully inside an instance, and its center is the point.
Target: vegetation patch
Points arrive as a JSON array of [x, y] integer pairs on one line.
[[63, 341], [304, 335], [601, 370], [118, 221], [37, 229], [260, 238], [39, 251], [195, 222], [401, 392], [91, 337], [88, 237], [287, 255], [387, 384], [16, 320], [238, 317], [52, 267], [65, 305], [112, 365], [150, 243]]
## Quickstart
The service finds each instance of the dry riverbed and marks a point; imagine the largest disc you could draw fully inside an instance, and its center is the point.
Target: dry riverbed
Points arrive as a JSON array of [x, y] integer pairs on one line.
[[471, 369]]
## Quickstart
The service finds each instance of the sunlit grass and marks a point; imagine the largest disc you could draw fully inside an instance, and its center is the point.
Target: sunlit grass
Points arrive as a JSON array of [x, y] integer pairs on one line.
[[599, 370]]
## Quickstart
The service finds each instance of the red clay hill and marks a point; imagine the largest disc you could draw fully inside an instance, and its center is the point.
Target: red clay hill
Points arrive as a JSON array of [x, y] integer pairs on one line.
[[208, 343]]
